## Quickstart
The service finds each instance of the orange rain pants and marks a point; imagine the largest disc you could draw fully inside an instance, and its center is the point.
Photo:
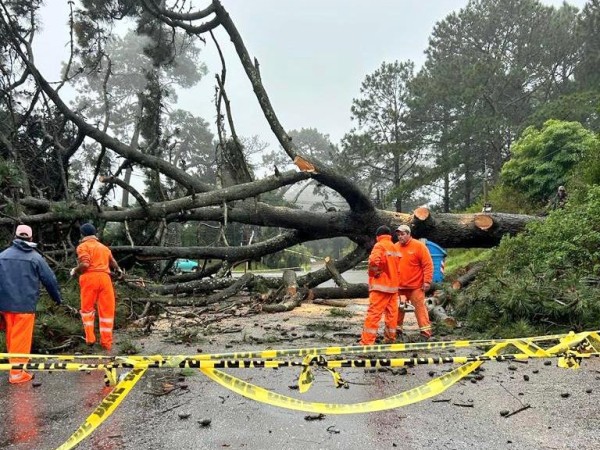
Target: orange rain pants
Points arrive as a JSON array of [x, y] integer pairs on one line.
[[97, 290], [417, 298], [380, 303], [19, 334]]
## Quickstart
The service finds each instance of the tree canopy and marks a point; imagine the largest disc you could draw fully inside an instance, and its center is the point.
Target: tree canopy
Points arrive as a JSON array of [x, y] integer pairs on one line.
[[438, 136], [543, 159]]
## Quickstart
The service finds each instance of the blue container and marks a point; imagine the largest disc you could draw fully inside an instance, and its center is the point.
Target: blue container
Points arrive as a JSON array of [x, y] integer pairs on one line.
[[438, 254]]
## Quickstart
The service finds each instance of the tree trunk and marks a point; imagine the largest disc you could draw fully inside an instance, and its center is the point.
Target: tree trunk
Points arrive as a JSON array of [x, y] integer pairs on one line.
[[359, 290], [329, 302], [468, 277], [230, 291], [439, 314]]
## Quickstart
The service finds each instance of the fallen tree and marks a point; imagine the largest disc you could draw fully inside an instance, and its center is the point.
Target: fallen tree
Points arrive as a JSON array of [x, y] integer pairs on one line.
[[466, 279], [235, 196]]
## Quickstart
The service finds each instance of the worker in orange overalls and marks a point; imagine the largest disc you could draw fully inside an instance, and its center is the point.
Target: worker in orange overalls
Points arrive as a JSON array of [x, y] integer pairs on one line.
[[21, 271], [383, 289], [414, 279], [95, 261]]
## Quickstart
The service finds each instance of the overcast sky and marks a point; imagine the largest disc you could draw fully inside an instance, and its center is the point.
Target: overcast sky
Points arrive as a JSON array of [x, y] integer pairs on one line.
[[313, 55]]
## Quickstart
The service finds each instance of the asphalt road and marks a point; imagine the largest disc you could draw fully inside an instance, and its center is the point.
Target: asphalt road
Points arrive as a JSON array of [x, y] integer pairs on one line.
[[466, 416]]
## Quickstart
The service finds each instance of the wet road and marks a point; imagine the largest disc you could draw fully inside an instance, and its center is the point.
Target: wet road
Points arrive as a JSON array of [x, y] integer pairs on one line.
[[467, 417], [44, 417]]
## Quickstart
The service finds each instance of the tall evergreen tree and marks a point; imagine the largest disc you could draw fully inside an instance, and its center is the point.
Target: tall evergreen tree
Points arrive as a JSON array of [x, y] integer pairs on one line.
[[382, 146], [488, 68]]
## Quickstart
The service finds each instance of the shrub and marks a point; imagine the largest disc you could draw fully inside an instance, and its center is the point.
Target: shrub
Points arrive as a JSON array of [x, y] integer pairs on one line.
[[534, 279]]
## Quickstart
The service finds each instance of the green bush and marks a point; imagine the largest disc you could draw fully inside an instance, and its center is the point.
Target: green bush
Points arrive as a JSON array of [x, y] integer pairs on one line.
[[532, 282], [542, 159]]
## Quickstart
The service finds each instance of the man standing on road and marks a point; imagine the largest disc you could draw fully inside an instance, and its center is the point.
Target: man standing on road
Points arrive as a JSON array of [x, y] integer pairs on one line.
[[95, 261], [383, 289], [21, 271], [415, 276]]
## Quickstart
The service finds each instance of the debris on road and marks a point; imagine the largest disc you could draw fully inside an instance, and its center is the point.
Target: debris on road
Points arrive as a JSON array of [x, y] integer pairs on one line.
[[314, 417], [516, 411]]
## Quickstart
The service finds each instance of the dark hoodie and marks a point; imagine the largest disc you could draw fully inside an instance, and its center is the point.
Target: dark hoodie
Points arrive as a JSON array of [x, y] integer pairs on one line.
[[21, 271]]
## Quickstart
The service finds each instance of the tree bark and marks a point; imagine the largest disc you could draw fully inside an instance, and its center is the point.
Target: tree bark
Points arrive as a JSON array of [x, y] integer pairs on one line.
[[359, 290], [468, 277], [329, 302], [337, 277], [292, 297], [230, 291], [438, 313]]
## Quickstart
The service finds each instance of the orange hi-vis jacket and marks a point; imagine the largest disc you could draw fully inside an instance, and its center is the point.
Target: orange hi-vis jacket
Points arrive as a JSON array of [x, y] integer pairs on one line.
[[415, 266], [383, 266], [93, 252], [96, 291]]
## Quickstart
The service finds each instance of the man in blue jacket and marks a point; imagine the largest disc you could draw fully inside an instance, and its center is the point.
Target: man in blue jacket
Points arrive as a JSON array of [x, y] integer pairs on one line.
[[21, 271]]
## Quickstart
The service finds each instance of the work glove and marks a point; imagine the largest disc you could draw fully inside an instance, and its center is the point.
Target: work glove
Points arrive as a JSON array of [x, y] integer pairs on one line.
[[72, 272]]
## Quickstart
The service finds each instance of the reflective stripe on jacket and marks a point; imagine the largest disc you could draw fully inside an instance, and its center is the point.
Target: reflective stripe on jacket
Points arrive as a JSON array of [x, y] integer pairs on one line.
[[383, 266], [415, 266]]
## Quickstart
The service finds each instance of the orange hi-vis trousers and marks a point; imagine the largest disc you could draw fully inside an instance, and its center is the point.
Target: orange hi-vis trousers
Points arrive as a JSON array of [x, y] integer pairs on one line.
[[19, 334], [380, 303], [97, 290], [417, 298]]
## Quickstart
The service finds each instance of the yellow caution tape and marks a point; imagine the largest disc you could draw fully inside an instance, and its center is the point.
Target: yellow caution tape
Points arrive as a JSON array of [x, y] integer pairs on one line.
[[338, 381], [567, 341], [420, 393], [110, 377], [417, 394], [272, 353], [417, 346], [570, 350], [306, 378], [105, 409], [321, 362], [277, 364], [571, 360], [76, 367]]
